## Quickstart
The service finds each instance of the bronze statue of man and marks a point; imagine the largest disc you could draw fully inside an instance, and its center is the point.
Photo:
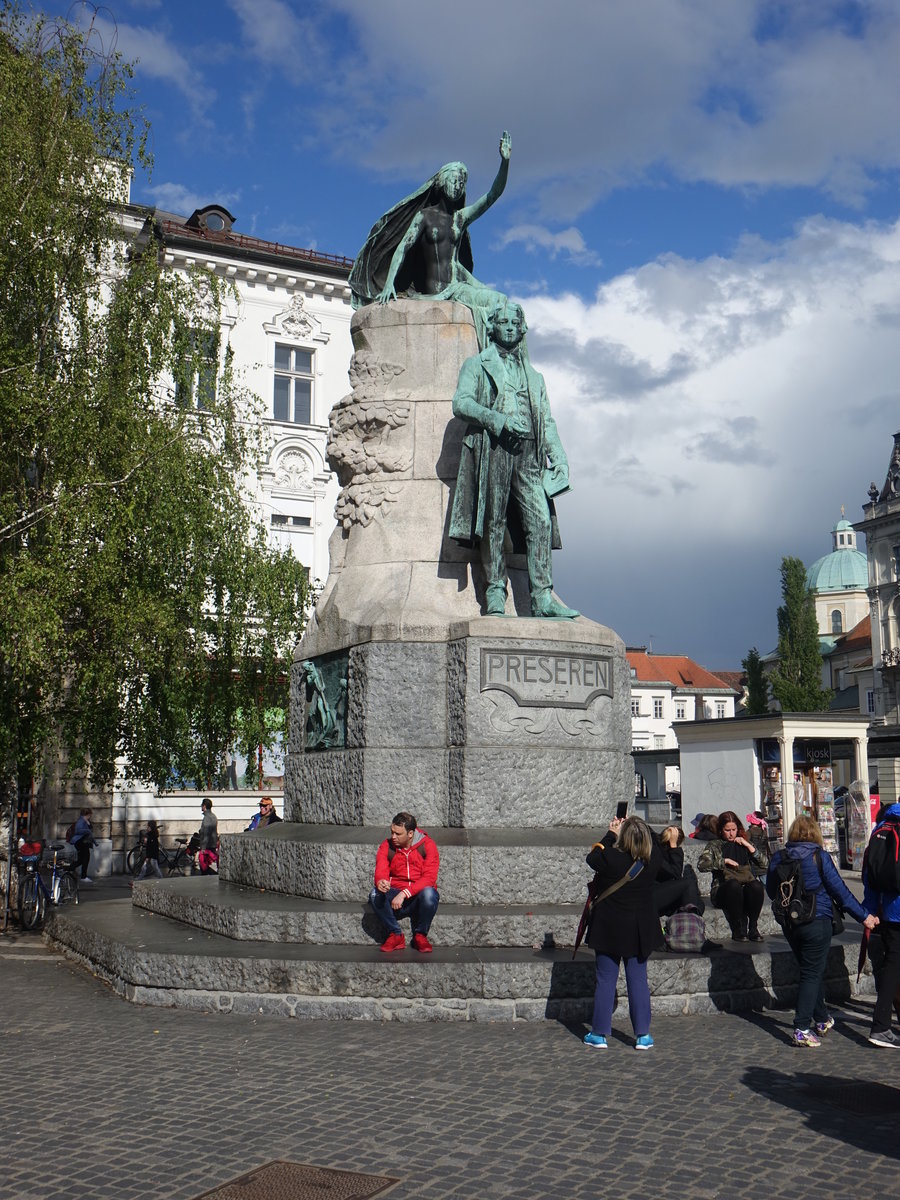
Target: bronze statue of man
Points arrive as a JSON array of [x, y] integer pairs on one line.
[[511, 465]]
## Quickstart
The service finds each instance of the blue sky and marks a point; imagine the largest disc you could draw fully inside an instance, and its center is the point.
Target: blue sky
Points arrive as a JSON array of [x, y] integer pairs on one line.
[[701, 221]]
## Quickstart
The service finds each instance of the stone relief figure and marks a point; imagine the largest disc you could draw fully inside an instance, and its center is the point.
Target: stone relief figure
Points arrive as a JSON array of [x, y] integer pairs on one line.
[[420, 248], [322, 729], [512, 463]]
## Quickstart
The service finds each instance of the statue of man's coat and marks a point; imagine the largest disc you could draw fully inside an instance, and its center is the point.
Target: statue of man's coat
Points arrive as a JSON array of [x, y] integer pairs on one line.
[[478, 393]]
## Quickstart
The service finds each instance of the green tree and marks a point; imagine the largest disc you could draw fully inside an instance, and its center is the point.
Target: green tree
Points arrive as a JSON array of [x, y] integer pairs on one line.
[[757, 687], [143, 615], [797, 680]]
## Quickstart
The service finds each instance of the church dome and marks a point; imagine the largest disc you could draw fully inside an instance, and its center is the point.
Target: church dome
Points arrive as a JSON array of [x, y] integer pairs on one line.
[[845, 568]]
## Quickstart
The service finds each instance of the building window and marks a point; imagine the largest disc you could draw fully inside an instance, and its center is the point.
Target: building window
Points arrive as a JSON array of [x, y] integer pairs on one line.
[[680, 710], [870, 701], [282, 521], [292, 398], [659, 742], [635, 708], [720, 710], [837, 621], [195, 382], [657, 707]]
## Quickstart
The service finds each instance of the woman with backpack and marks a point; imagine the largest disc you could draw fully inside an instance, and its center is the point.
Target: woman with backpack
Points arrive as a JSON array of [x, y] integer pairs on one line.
[[810, 940], [624, 925], [732, 858]]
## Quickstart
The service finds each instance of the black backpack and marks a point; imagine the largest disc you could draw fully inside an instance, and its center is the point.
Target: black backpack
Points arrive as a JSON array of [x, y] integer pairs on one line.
[[793, 903], [881, 864]]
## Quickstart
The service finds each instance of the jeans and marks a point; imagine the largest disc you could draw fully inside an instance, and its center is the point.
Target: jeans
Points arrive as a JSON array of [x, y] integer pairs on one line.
[[150, 866], [740, 902], [420, 909], [810, 944], [605, 994], [83, 850], [888, 976]]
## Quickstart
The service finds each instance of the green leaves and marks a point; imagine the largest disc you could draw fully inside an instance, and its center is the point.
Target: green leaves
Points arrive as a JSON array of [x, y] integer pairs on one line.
[[143, 615], [797, 680]]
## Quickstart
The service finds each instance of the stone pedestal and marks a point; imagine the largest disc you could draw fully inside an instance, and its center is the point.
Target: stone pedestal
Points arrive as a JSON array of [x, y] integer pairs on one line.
[[497, 727]]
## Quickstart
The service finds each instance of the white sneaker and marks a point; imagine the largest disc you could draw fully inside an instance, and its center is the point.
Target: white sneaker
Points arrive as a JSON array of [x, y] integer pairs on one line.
[[87, 879]]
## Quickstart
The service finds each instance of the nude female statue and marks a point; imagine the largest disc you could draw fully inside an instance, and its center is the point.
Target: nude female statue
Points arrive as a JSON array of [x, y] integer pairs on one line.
[[421, 247]]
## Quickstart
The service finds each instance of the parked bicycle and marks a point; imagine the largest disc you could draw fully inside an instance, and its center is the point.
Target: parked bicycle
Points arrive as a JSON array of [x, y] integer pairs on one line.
[[34, 893], [176, 861]]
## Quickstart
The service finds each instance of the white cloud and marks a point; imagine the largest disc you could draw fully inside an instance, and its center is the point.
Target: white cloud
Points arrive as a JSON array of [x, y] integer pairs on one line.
[[707, 89], [568, 242], [160, 58], [722, 410], [179, 199]]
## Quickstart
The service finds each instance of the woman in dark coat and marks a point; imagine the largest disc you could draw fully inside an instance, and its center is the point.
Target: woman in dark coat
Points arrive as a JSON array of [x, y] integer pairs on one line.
[[735, 861], [675, 889], [624, 926]]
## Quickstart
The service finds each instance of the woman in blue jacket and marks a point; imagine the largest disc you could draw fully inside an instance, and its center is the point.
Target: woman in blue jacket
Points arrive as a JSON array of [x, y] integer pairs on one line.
[[811, 942]]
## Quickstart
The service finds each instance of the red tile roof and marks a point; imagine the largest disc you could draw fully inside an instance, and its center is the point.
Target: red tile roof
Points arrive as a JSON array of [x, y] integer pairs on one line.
[[857, 638], [676, 669]]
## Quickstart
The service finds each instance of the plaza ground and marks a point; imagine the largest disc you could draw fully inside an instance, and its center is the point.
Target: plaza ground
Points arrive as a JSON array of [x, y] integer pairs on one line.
[[106, 1100]]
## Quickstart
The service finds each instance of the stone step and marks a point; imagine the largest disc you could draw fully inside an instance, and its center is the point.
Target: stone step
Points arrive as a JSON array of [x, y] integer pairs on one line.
[[150, 959], [248, 914], [478, 866]]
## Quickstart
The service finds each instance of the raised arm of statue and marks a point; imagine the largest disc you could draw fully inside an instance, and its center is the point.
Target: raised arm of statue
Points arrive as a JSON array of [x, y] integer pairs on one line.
[[409, 239], [473, 211]]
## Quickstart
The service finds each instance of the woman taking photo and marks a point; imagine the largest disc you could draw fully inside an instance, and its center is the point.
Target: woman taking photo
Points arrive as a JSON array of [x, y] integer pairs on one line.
[[735, 889], [812, 941], [624, 926]]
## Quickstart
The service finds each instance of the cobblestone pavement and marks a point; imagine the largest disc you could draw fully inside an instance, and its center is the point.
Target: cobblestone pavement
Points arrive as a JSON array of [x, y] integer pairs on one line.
[[102, 1099]]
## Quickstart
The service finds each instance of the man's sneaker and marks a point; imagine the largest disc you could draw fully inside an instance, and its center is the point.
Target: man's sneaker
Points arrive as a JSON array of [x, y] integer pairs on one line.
[[395, 941], [644, 1043], [885, 1037], [421, 943], [85, 879], [822, 1027], [597, 1040], [805, 1037]]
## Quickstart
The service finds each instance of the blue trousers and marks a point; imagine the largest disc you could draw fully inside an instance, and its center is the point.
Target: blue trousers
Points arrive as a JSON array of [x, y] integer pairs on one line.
[[420, 909], [810, 944], [605, 994]]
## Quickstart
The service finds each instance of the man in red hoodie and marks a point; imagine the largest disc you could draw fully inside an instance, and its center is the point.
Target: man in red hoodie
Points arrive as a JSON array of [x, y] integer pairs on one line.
[[406, 870]]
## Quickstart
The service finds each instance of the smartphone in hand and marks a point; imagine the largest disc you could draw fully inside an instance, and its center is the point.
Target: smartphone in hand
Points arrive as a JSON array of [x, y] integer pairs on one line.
[[621, 810]]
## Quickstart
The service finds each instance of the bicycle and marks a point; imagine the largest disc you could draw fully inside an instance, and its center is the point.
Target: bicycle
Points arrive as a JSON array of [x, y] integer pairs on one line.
[[176, 861], [34, 894]]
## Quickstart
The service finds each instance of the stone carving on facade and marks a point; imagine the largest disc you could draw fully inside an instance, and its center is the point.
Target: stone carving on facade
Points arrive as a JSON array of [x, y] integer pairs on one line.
[[295, 322], [294, 472], [365, 446], [506, 717]]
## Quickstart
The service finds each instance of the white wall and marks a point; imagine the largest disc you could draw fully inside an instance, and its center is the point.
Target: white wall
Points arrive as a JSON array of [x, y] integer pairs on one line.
[[719, 777]]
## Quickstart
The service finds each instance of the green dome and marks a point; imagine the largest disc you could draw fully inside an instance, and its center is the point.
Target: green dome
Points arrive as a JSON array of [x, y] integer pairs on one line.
[[842, 570]]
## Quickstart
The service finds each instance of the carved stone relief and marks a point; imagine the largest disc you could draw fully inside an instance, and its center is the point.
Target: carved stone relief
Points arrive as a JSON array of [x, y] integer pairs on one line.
[[295, 322], [363, 441], [294, 472], [506, 716]]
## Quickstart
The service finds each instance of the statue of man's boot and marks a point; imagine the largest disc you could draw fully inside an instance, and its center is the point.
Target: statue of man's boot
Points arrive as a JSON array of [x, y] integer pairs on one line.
[[495, 600], [545, 604]]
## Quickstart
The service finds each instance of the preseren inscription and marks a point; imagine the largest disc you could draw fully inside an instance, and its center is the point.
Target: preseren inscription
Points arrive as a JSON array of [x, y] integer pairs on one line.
[[546, 679]]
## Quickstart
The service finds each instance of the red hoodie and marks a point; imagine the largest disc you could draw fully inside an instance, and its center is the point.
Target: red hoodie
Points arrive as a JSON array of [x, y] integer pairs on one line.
[[409, 870]]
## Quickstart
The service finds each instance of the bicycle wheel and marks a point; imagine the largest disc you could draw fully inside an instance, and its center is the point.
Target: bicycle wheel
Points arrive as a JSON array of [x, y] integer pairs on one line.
[[133, 859], [165, 863], [182, 862], [31, 903], [68, 887]]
